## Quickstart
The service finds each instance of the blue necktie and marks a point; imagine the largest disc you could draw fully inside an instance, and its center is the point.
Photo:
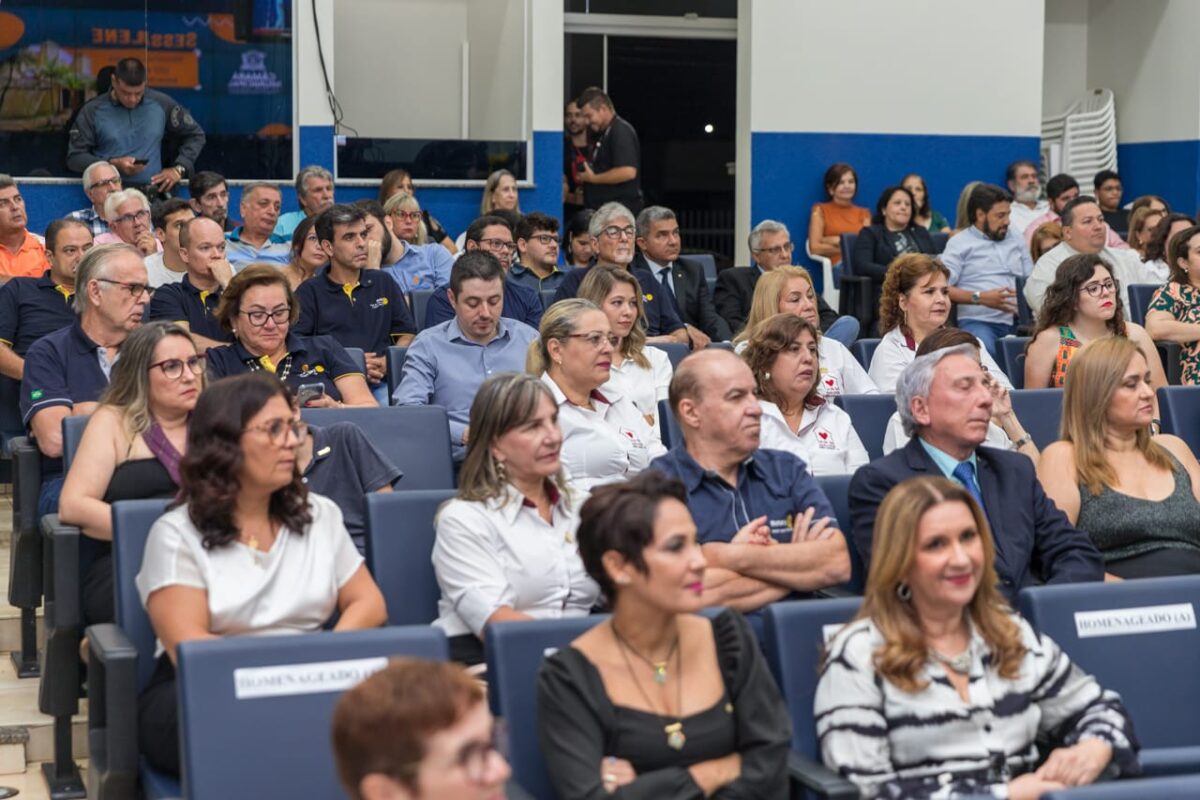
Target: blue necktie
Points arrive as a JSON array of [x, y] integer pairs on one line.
[[965, 473], [664, 277]]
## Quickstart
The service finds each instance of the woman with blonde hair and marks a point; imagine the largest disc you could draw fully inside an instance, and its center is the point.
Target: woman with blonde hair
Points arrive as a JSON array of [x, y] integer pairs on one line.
[[789, 290], [937, 686], [641, 373], [1044, 238], [1142, 222], [399, 181], [505, 547], [604, 439], [500, 192], [1136, 493]]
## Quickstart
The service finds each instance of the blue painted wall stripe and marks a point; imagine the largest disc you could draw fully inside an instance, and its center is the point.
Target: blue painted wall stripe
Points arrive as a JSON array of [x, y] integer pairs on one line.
[[1168, 169]]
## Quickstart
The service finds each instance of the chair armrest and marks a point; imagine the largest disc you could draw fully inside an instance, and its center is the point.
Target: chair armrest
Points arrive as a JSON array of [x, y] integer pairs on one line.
[[841, 590], [58, 692], [25, 566], [112, 713], [855, 300], [514, 791], [816, 777]]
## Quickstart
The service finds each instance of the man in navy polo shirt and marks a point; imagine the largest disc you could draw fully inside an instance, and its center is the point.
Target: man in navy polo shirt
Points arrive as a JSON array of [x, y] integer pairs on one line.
[[66, 371], [491, 234], [193, 301], [356, 306], [612, 228], [766, 527]]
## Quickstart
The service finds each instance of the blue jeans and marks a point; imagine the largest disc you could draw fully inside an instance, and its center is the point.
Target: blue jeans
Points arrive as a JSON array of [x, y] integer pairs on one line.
[[987, 332], [379, 390], [844, 330]]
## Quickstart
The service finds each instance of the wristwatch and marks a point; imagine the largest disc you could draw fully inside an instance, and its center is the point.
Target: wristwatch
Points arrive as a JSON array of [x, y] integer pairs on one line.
[[181, 170], [975, 298]]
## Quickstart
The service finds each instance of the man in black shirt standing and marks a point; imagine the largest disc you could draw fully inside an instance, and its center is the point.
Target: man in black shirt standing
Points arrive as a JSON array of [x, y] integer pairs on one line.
[[615, 168]]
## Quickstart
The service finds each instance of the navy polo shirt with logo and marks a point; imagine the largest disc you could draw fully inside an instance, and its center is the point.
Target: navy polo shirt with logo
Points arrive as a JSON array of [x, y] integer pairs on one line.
[[309, 360], [368, 314], [661, 317], [30, 308], [61, 369], [183, 302]]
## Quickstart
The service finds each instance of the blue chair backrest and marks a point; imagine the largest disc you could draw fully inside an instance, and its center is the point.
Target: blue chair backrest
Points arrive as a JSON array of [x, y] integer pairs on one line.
[[870, 414], [796, 633], [1140, 295], [72, 430], [273, 697], [676, 351], [1040, 411], [548, 297], [395, 366], [864, 351], [1180, 410], [358, 357], [420, 302], [837, 489], [514, 655], [1143, 644], [668, 425], [414, 438], [847, 242], [1177, 787], [131, 523], [939, 241], [708, 261], [400, 537], [1024, 312], [1012, 359]]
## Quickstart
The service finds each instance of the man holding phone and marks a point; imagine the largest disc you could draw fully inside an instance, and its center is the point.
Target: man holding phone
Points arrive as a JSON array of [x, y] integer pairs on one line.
[[126, 128]]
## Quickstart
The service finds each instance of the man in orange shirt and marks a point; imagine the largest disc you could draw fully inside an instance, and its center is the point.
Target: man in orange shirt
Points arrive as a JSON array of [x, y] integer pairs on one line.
[[21, 252]]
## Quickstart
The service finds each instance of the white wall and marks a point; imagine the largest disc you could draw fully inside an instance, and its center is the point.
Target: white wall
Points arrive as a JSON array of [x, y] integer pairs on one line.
[[311, 107], [497, 32], [912, 67], [546, 64], [1064, 54]]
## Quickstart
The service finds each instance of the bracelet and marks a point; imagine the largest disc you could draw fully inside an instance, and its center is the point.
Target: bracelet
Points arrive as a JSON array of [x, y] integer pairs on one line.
[[1024, 440]]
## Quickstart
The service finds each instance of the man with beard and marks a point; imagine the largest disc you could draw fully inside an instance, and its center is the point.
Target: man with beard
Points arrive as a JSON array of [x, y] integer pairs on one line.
[[210, 198], [984, 262], [1027, 205], [575, 157], [612, 173]]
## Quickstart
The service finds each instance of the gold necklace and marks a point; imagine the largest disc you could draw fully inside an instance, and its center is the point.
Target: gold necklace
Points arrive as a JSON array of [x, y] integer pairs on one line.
[[676, 738], [659, 667]]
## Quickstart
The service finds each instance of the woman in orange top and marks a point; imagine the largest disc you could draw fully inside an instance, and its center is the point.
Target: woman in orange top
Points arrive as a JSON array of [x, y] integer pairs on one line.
[[830, 220]]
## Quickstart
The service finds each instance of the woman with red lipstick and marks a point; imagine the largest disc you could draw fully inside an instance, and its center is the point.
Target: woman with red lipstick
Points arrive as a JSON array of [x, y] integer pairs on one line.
[[247, 550], [782, 354], [937, 689], [1081, 305], [658, 702], [131, 447], [1137, 494], [505, 547]]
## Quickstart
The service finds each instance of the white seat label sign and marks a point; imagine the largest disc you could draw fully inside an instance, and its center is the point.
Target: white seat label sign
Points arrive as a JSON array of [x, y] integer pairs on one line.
[[1128, 621], [313, 678]]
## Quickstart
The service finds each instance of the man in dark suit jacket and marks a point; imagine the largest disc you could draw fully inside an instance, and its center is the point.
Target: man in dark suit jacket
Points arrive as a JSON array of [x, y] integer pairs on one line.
[[659, 245], [945, 402], [771, 246]]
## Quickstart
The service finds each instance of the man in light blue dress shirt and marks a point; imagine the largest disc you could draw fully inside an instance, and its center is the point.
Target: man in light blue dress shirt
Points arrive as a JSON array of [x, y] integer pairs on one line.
[[446, 364], [985, 261], [255, 241]]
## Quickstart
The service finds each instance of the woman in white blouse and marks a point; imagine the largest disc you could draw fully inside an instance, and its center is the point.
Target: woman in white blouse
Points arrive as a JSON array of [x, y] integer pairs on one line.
[[915, 302], [937, 689], [782, 354], [641, 373], [505, 547], [789, 290], [605, 437], [248, 551]]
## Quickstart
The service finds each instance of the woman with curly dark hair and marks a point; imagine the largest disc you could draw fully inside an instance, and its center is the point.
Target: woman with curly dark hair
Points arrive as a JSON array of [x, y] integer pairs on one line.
[[1159, 242], [1081, 305], [246, 550]]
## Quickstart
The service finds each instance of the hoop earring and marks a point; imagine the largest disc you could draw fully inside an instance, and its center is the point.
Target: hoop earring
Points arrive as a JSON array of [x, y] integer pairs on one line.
[[501, 471], [904, 592]]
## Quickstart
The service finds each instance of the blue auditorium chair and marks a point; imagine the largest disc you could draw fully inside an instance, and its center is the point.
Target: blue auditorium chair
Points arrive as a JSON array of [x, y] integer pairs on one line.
[[1012, 358], [396, 356], [514, 654], [1040, 412], [1154, 671], [1140, 295], [722, 346], [1180, 410], [855, 297], [414, 438], [420, 302], [400, 537], [939, 241], [25, 558], [837, 489], [668, 425], [864, 351], [676, 351], [358, 357], [870, 414], [72, 433], [706, 260], [796, 633], [1179, 787]]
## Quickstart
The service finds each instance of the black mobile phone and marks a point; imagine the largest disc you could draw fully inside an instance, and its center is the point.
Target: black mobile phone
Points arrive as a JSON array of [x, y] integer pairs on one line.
[[141, 162], [309, 391]]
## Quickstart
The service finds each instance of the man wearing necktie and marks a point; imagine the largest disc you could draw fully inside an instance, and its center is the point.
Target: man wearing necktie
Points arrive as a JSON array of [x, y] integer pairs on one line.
[[945, 404]]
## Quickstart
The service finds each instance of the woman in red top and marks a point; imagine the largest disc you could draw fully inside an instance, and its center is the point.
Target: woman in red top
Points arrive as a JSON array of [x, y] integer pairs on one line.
[[830, 220]]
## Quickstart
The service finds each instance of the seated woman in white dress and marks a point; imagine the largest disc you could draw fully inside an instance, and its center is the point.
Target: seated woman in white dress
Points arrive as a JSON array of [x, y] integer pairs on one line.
[[937, 689], [247, 551], [505, 547], [782, 354], [1005, 431], [605, 437], [638, 372], [915, 302], [789, 290]]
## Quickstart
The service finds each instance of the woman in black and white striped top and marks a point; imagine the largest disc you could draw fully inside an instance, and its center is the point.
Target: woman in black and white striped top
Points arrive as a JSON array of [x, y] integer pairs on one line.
[[937, 689]]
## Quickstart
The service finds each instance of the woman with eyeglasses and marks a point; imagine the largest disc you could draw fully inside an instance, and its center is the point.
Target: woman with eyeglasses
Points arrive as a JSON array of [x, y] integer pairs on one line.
[[259, 308], [604, 439], [307, 255], [247, 550], [428, 229], [131, 447], [1082, 304]]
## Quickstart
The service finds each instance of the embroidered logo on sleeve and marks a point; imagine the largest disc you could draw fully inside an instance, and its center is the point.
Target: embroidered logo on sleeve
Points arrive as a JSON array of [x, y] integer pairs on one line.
[[36, 394]]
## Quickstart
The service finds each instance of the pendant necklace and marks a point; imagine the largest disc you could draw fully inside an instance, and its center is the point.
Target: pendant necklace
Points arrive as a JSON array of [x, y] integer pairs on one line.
[[959, 663], [676, 738]]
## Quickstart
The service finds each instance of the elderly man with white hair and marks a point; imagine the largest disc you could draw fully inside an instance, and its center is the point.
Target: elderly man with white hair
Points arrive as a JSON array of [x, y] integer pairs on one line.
[[100, 180], [945, 404], [129, 222]]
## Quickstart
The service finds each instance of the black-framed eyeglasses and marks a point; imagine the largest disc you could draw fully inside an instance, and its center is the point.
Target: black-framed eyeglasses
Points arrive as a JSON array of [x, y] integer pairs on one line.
[[278, 429], [613, 232], [111, 182], [544, 239], [135, 289], [259, 318], [1100, 288], [140, 216], [498, 244], [172, 368], [778, 249], [596, 339]]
